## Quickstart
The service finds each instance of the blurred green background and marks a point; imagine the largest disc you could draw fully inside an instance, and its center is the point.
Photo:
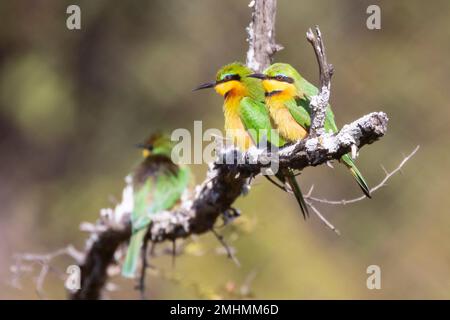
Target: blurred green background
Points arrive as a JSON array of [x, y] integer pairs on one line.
[[73, 103]]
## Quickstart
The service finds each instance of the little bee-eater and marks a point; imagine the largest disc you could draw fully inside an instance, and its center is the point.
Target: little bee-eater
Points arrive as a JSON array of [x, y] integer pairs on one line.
[[246, 119], [288, 96], [158, 185]]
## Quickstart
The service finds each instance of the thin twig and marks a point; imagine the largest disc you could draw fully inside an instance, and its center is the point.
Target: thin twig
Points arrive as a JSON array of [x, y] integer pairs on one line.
[[372, 190], [319, 102], [227, 248], [25, 262], [322, 218]]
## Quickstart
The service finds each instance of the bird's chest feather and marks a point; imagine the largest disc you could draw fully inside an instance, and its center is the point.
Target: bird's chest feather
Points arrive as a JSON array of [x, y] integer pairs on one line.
[[234, 128], [285, 123]]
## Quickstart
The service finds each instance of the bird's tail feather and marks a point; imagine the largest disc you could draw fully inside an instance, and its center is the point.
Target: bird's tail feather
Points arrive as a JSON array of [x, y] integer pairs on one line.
[[134, 248], [356, 174], [298, 194], [288, 177]]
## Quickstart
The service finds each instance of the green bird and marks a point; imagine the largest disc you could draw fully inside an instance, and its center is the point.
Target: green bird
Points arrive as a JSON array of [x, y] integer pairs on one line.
[[288, 96], [247, 121], [158, 184]]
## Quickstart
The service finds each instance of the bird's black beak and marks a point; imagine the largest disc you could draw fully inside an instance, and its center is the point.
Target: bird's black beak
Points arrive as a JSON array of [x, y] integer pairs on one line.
[[141, 145], [260, 76], [205, 86]]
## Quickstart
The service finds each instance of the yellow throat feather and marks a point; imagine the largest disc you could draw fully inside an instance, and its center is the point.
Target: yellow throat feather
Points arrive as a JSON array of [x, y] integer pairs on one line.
[[234, 91], [287, 126]]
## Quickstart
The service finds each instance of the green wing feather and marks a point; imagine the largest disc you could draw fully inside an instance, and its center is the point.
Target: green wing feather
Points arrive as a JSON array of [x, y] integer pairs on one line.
[[168, 190], [299, 113], [256, 120], [158, 193]]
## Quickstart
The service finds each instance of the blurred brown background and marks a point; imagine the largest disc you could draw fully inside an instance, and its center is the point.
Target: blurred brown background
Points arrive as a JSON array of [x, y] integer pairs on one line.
[[73, 103]]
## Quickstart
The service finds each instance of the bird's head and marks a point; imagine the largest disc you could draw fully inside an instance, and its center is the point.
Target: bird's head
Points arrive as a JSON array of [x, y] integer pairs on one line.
[[279, 79], [156, 144], [232, 80]]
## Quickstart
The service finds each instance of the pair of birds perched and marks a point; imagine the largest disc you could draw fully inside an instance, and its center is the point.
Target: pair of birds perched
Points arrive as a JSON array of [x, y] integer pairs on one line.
[[277, 99]]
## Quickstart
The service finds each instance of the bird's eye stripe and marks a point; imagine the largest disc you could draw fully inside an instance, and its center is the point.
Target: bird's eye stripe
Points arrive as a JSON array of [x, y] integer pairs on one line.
[[230, 77], [283, 78]]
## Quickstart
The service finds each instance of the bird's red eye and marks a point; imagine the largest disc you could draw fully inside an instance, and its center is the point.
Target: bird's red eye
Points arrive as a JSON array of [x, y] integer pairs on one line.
[[279, 77]]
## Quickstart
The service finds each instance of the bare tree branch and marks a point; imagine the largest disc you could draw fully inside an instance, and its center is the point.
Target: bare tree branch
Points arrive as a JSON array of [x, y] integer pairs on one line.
[[322, 218], [227, 248], [319, 102], [99, 256], [24, 264], [261, 34]]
